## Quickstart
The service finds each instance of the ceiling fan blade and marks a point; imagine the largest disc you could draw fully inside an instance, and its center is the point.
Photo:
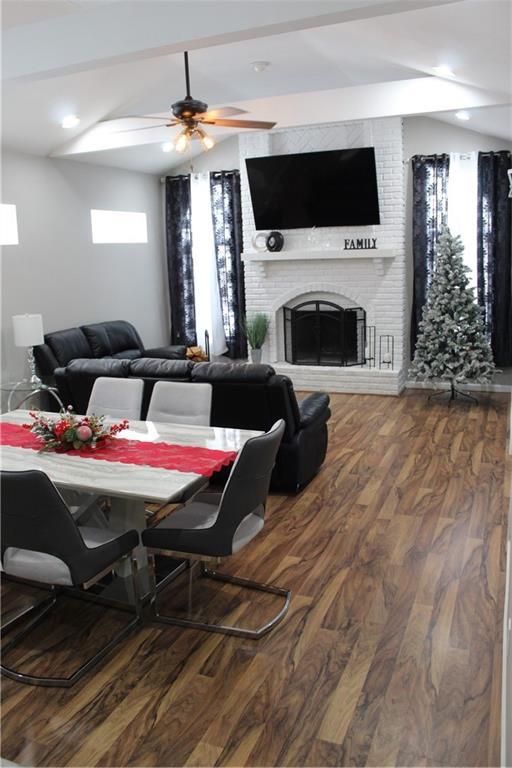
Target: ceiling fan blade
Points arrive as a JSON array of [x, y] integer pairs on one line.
[[145, 128], [213, 114], [132, 117], [240, 123]]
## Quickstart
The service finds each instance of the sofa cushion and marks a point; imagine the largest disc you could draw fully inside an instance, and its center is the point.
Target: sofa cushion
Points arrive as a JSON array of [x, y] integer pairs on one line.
[[122, 335], [232, 372], [174, 352], [68, 345], [108, 366], [128, 354], [112, 337], [98, 339], [155, 368]]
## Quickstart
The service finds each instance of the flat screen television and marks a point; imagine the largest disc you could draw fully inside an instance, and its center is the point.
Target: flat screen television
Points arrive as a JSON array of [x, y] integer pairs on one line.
[[314, 189]]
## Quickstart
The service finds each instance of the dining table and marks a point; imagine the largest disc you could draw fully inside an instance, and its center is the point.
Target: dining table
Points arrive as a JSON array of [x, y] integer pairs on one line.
[[129, 486]]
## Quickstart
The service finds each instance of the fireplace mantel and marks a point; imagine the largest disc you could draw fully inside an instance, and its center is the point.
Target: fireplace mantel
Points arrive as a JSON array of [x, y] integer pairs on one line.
[[376, 254]]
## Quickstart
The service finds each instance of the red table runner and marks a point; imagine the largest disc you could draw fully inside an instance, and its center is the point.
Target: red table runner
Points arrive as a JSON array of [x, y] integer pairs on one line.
[[183, 458]]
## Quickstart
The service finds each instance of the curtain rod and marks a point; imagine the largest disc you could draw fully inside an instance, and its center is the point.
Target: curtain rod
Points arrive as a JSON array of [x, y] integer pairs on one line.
[[408, 159], [180, 175], [177, 176], [464, 155]]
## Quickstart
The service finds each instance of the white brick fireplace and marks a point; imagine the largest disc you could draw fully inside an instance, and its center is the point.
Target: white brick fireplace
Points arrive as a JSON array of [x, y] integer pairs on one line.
[[314, 264]]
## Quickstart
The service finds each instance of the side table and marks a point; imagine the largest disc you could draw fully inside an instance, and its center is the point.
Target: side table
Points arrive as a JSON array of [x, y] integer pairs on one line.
[[28, 389]]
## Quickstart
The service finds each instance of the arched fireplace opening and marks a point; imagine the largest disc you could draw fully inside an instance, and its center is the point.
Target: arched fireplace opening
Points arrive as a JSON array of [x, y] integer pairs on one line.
[[323, 333]]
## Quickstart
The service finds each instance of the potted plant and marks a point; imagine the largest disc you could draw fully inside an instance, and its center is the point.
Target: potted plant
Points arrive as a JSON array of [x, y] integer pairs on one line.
[[255, 329]]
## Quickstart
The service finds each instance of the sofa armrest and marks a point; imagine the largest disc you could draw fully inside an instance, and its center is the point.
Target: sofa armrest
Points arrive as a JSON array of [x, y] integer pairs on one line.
[[313, 408], [177, 352], [46, 361]]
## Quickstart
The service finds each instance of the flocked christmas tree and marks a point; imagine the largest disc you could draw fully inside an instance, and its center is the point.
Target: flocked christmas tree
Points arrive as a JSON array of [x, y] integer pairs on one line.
[[452, 345]]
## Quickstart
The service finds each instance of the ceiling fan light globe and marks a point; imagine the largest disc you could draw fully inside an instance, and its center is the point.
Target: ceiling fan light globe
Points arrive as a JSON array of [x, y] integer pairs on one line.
[[182, 141], [208, 142]]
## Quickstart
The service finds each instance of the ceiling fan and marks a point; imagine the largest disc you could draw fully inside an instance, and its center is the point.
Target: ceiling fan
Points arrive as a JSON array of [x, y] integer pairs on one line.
[[191, 114]]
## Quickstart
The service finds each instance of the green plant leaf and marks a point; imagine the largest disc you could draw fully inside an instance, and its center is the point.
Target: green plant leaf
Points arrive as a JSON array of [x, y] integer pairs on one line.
[[255, 329]]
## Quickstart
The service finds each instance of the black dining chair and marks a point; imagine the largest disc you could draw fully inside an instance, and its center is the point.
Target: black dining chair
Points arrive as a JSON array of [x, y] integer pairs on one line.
[[42, 543], [213, 526]]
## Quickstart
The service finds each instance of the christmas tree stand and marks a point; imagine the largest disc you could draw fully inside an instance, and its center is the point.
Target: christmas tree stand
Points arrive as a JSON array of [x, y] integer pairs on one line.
[[454, 394]]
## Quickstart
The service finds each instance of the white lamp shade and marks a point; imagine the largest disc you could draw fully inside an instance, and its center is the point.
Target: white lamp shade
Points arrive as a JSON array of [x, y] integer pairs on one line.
[[28, 330]]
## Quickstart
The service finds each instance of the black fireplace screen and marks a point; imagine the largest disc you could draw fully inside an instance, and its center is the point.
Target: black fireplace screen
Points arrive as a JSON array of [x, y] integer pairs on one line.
[[322, 333]]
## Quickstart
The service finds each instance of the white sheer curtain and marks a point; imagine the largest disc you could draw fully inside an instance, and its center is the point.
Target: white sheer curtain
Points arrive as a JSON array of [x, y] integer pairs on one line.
[[206, 284], [462, 205]]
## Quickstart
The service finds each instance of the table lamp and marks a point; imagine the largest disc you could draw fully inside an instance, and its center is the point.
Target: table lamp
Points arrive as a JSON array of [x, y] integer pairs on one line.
[[28, 331]]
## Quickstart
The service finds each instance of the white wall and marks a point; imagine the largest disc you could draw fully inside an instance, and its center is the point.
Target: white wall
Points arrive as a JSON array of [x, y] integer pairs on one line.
[[58, 272], [425, 136]]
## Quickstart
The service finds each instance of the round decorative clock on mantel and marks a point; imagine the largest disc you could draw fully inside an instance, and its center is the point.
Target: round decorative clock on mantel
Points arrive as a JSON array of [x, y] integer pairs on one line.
[[275, 241]]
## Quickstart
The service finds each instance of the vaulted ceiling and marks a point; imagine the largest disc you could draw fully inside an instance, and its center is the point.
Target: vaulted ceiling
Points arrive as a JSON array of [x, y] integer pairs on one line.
[[329, 60]]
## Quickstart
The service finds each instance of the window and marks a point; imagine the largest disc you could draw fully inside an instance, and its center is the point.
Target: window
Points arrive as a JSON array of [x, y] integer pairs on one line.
[[119, 227], [462, 206], [206, 285], [8, 225]]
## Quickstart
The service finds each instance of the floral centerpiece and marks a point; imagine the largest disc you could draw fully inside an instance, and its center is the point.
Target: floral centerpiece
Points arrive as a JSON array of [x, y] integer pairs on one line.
[[73, 432]]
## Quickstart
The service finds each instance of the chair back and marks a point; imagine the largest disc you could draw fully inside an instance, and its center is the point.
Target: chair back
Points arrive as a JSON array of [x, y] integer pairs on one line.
[[247, 487], [35, 517], [175, 402], [117, 398]]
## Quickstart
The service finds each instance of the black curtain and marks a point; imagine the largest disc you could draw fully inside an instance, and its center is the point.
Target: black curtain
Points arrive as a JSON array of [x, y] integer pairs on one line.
[[227, 228], [429, 215], [494, 251], [180, 268]]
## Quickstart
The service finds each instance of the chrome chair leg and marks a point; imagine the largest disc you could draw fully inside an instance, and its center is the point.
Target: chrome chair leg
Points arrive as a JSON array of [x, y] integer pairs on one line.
[[152, 579], [67, 682], [134, 578], [44, 606], [253, 634]]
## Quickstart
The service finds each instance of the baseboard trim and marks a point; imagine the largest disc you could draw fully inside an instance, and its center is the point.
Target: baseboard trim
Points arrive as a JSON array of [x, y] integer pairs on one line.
[[469, 387]]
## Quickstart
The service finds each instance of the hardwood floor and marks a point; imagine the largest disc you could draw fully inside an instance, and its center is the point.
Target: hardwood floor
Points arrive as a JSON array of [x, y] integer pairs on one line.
[[390, 653]]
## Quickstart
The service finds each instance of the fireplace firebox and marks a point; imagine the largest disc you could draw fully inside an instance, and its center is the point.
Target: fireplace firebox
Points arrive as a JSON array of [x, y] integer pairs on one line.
[[323, 333]]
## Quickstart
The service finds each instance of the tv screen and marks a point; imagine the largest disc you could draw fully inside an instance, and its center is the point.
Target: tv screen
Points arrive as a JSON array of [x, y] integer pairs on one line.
[[314, 189]]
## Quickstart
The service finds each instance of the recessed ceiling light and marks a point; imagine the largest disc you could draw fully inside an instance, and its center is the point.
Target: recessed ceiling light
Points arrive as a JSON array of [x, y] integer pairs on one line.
[[259, 66], [462, 115], [167, 147], [444, 71], [70, 121]]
